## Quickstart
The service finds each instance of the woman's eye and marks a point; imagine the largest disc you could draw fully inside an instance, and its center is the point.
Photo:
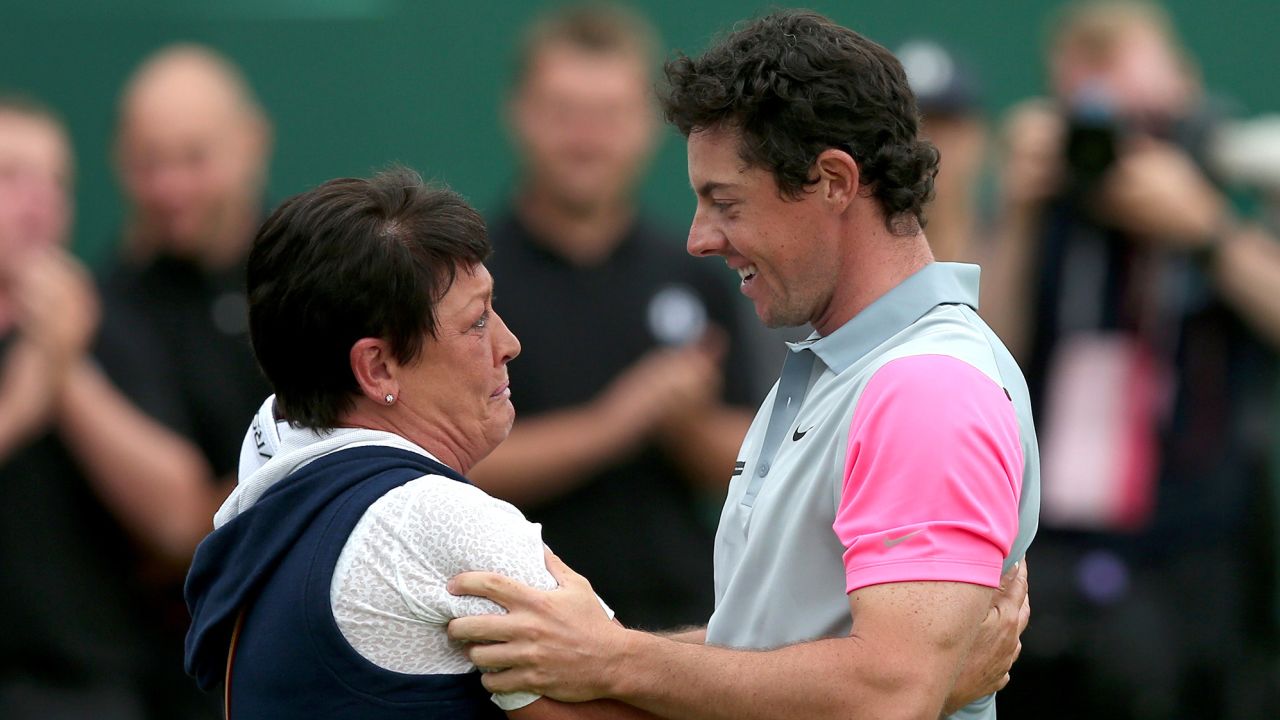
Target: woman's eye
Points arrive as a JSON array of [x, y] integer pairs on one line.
[[479, 324]]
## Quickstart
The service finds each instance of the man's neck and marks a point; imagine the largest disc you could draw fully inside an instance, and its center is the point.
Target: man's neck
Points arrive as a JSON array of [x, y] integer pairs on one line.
[[875, 262], [582, 235], [232, 244]]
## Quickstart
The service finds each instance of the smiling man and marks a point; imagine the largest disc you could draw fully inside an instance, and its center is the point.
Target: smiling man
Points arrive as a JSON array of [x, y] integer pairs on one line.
[[890, 477]]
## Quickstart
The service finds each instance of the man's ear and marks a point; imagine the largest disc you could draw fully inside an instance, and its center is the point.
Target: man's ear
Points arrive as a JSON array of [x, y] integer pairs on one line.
[[375, 368], [838, 177]]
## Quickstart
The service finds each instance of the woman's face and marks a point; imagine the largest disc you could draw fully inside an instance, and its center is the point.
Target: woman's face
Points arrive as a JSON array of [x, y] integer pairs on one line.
[[457, 388]]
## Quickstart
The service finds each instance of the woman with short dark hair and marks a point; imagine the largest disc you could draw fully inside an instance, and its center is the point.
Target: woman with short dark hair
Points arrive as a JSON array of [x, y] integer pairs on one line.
[[321, 592]]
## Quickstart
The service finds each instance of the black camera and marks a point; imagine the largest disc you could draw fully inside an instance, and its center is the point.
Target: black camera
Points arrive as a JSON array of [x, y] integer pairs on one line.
[[1092, 138], [1091, 149]]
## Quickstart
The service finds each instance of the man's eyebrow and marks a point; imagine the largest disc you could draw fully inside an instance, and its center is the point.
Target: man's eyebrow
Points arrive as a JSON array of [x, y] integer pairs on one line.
[[710, 186]]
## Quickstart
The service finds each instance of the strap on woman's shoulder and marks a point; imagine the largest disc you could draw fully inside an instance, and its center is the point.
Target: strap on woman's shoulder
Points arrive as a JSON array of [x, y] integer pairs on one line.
[[231, 656]]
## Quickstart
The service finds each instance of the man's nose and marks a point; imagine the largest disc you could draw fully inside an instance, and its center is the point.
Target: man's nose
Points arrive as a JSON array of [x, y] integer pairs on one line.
[[704, 240]]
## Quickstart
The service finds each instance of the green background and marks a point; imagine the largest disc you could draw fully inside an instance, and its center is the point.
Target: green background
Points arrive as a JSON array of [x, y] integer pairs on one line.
[[353, 85]]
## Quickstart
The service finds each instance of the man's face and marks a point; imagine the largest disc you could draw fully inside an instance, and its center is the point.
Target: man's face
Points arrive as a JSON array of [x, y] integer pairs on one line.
[[784, 250], [35, 179], [584, 123], [1141, 75], [191, 161], [458, 385]]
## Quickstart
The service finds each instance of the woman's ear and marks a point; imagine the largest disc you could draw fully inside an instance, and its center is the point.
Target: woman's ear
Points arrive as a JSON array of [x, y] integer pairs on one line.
[[374, 368]]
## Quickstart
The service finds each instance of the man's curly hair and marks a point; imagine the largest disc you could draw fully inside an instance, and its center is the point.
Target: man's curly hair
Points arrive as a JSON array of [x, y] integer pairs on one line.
[[795, 84]]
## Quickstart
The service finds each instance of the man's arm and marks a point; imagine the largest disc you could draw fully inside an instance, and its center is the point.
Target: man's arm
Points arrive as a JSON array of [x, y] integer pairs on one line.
[[901, 660], [1247, 271], [1160, 195], [55, 311], [155, 481], [548, 709], [548, 455], [705, 442], [27, 387], [695, 635]]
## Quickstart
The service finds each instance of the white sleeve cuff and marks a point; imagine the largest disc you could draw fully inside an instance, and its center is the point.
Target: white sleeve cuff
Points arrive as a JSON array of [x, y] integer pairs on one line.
[[514, 700]]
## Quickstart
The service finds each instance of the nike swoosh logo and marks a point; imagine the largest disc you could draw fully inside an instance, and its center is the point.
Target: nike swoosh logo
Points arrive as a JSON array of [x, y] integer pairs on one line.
[[795, 437], [890, 542]]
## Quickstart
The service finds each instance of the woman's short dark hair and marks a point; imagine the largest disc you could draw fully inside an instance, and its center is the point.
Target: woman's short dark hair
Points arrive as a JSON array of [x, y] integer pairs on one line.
[[350, 259], [795, 84]]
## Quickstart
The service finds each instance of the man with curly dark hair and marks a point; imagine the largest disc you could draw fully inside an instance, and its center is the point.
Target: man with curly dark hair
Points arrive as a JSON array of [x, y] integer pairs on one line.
[[889, 483]]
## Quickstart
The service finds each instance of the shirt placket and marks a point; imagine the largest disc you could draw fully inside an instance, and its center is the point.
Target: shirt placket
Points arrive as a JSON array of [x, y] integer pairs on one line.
[[793, 385]]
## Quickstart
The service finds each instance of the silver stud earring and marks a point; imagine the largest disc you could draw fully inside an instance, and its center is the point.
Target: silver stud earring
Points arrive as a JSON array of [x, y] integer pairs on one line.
[[390, 398]]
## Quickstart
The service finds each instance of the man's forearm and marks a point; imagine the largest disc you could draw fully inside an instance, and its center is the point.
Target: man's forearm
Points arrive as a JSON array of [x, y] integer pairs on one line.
[[1247, 272], [705, 444], [25, 389], [155, 481], [548, 709], [694, 635], [837, 678], [549, 455]]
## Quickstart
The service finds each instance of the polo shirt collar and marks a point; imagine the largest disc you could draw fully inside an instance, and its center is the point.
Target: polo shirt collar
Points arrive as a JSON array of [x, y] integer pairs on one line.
[[933, 285]]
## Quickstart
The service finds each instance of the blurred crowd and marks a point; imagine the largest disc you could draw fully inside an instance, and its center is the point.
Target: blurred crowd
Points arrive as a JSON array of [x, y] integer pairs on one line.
[[1126, 223]]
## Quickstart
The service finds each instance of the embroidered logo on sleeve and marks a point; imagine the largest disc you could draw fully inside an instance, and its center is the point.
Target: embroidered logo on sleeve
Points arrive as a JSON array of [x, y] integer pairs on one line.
[[890, 542]]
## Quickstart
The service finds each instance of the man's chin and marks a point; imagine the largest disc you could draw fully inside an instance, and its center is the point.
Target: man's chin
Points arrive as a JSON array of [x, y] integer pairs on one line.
[[581, 204], [779, 320]]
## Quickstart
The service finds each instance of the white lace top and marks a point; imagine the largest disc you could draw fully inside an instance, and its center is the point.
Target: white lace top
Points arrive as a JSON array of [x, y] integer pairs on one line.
[[388, 592]]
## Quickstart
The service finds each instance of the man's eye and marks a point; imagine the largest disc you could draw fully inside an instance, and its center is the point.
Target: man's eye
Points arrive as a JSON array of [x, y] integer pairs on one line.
[[722, 205]]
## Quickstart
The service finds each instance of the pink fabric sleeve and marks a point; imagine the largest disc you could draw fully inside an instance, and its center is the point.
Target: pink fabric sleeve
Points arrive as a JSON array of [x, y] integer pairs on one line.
[[932, 477]]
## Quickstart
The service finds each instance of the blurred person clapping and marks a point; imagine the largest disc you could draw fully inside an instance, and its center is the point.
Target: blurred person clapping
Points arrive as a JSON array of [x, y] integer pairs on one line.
[[48, 307], [634, 381], [157, 421], [80, 633]]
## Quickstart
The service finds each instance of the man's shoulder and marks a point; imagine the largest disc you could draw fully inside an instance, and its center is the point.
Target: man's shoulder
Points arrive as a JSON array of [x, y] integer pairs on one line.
[[953, 331]]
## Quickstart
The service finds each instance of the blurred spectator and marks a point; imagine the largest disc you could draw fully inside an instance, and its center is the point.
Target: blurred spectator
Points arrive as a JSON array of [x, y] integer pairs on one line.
[[161, 436], [155, 424], [1133, 296], [630, 344], [47, 309], [79, 639], [947, 94]]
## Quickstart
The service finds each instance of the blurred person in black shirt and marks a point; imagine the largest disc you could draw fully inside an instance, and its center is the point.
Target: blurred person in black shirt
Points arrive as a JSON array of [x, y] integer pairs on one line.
[[81, 638], [155, 420], [1135, 298], [623, 438], [162, 430]]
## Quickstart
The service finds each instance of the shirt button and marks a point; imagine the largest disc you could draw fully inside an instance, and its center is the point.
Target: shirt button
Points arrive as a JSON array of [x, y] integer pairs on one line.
[[764, 469]]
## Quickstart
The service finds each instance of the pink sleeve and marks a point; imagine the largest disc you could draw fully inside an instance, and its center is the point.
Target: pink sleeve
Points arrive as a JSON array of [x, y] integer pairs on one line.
[[932, 477]]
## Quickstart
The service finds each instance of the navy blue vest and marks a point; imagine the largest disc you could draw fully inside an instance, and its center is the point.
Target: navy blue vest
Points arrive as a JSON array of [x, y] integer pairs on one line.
[[291, 660]]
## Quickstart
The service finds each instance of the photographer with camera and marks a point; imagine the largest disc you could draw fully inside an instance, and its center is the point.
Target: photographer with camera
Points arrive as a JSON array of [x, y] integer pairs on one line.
[[1138, 303]]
